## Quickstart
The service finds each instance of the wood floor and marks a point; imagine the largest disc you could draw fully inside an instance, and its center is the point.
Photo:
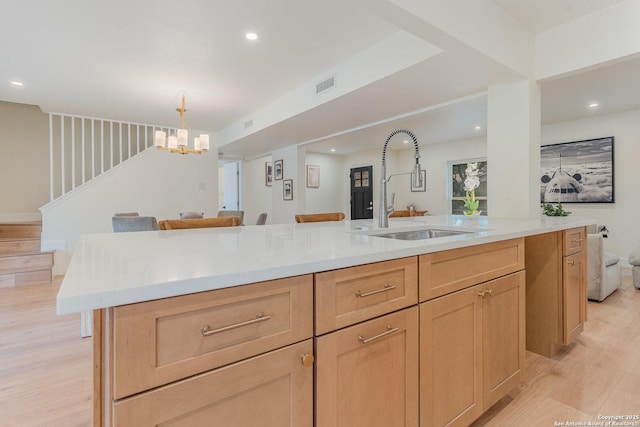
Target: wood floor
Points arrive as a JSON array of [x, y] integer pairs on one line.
[[45, 367], [597, 375]]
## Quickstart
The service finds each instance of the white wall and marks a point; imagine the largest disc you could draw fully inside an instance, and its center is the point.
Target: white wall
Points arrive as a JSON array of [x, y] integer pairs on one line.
[[284, 211], [621, 217], [24, 162], [434, 158], [256, 195], [155, 183], [330, 196]]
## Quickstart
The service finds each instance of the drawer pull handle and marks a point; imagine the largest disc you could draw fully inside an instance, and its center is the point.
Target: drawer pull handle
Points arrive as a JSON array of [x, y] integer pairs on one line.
[[577, 240], [572, 262], [386, 288], [484, 292], [390, 330], [260, 317]]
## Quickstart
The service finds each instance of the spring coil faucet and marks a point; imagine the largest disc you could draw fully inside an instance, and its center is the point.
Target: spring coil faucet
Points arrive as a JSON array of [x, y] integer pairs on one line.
[[416, 177]]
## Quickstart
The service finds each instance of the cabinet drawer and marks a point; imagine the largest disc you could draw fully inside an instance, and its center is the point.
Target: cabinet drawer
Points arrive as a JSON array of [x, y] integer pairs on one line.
[[350, 295], [449, 271], [274, 389], [165, 340], [573, 240]]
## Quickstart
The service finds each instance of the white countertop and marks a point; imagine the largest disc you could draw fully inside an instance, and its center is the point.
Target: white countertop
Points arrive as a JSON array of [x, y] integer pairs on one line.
[[121, 268]]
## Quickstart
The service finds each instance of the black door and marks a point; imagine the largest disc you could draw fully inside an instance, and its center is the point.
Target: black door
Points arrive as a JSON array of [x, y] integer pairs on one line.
[[362, 192]]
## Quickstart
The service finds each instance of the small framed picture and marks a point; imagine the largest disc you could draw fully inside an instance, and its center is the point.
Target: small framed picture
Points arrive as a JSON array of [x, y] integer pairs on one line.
[[278, 167], [424, 183], [313, 176], [268, 174], [287, 189]]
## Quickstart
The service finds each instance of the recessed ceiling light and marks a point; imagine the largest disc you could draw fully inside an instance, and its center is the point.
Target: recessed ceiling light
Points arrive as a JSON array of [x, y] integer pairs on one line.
[[333, 150], [477, 128], [17, 83], [593, 105], [251, 36]]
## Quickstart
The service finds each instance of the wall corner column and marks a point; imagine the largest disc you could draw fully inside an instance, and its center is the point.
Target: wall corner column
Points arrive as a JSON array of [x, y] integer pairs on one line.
[[513, 149]]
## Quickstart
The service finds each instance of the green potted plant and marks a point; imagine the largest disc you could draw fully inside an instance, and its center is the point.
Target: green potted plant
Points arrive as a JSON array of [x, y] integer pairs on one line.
[[550, 210]]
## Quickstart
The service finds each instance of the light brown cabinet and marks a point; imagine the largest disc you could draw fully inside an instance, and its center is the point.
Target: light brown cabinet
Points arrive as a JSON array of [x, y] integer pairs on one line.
[[430, 340], [206, 356], [349, 295], [367, 374], [274, 389], [165, 340], [574, 295], [448, 271], [556, 290], [472, 350]]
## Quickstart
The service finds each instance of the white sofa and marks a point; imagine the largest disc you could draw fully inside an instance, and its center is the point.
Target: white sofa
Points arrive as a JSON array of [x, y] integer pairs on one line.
[[603, 268], [634, 260]]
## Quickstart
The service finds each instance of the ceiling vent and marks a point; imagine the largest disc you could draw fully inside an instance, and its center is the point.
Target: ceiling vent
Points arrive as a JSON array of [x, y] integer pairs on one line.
[[326, 85], [248, 124]]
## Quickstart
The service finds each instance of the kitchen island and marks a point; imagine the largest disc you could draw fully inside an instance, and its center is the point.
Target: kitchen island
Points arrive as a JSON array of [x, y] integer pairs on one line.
[[176, 338]]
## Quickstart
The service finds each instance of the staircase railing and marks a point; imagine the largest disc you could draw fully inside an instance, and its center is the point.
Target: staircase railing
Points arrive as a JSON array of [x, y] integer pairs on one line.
[[82, 148]]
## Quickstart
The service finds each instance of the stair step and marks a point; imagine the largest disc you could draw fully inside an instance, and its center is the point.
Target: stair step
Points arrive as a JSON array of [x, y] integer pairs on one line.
[[19, 245], [8, 280], [20, 229], [24, 262]]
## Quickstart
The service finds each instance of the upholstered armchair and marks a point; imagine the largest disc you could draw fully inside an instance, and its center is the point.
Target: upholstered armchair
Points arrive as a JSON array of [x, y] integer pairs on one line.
[[262, 219], [125, 223], [634, 260], [191, 215], [603, 268]]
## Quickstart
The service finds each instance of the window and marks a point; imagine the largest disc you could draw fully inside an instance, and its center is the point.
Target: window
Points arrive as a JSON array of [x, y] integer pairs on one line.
[[455, 192]]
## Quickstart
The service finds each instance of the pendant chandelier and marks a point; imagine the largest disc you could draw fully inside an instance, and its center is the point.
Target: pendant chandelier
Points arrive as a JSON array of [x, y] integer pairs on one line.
[[178, 143]]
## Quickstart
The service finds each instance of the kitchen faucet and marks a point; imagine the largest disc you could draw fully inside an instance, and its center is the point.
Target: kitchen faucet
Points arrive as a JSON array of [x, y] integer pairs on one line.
[[416, 178]]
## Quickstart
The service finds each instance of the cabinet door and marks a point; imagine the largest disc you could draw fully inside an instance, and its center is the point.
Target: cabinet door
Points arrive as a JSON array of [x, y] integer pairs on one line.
[[574, 295], [503, 336], [451, 359], [274, 389], [367, 374]]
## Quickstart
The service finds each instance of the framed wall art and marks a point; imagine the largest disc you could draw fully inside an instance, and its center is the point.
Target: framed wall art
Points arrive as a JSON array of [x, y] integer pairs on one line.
[[456, 194], [313, 176], [287, 189], [268, 174], [577, 172], [278, 172]]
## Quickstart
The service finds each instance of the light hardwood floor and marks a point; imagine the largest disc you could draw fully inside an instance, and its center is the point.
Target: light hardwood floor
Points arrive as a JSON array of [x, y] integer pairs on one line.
[[597, 375], [45, 367]]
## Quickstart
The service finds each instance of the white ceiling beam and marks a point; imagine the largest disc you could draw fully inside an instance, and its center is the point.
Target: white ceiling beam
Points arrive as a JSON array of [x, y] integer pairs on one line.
[[393, 54], [602, 37]]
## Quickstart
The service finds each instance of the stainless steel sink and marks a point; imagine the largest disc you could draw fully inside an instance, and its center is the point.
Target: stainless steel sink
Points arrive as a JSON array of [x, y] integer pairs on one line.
[[429, 233]]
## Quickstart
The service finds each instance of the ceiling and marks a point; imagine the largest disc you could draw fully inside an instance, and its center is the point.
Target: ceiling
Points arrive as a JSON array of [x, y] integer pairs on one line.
[[132, 61]]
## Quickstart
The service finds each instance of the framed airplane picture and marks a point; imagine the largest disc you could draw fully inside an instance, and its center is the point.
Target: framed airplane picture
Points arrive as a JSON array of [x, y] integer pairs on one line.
[[577, 172]]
